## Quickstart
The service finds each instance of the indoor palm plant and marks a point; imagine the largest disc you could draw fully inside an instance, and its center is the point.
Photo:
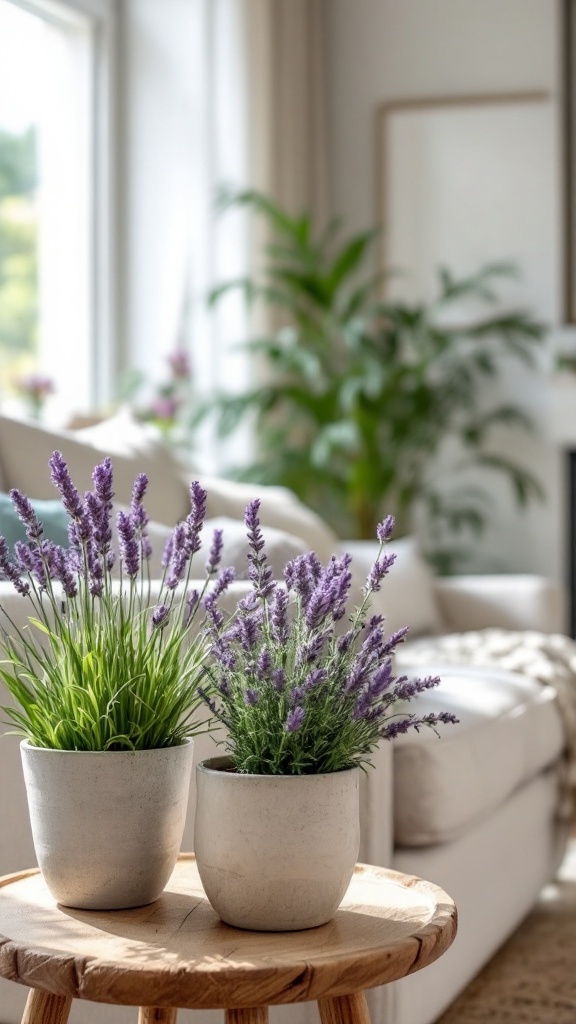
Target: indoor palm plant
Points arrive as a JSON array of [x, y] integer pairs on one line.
[[104, 681], [357, 396], [305, 696]]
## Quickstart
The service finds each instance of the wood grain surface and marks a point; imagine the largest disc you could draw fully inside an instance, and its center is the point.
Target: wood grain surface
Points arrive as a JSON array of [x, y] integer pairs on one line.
[[48, 1008], [177, 953]]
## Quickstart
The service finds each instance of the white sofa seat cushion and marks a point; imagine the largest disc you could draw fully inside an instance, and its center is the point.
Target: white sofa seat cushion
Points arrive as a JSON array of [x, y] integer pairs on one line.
[[509, 731]]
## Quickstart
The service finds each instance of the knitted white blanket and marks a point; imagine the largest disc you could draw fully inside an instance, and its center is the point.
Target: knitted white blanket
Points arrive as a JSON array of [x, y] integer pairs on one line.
[[548, 658]]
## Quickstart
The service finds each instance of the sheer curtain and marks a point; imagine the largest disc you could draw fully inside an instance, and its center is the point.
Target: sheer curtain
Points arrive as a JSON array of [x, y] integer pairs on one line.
[[214, 92], [285, 42]]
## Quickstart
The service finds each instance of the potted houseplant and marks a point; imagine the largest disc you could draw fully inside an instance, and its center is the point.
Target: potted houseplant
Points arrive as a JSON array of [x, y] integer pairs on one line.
[[305, 697], [362, 403], [104, 689]]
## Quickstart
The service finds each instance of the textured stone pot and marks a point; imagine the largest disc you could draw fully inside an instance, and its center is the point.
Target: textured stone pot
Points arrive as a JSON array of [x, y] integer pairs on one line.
[[107, 826], [275, 852]]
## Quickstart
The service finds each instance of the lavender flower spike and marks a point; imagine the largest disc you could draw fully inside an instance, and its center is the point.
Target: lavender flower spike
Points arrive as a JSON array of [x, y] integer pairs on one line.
[[196, 517], [26, 513], [137, 510], [129, 549], [61, 479], [215, 552], [102, 477], [385, 529], [160, 616], [295, 719], [9, 571]]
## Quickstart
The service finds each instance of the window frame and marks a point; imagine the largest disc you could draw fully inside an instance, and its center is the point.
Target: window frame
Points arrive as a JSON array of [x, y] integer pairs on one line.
[[103, 242]]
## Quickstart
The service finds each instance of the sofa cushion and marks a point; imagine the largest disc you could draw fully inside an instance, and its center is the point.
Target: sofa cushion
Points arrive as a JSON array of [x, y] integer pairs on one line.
[[26, 447], [509, 731], [279, 508], [407, 596]]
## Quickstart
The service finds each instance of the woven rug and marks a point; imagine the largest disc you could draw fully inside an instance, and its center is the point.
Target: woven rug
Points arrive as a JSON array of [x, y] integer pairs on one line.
[[532, 978]]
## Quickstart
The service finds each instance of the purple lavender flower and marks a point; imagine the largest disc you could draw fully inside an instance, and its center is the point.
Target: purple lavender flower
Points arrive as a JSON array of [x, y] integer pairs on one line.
[[224, 580], [311, 648], [378, 571], [196, 517], [380, 681], [302, 575], [129, 548], [279, 618], [259, 571], [279, 679], [396, 727], [137, 510], [9, 571], [179, 362], [64, 572], [211, 600], [295, 719], [356, 678], [394, 639], [405, 688], [160, 616], [27, 515], [61, 479], [264, 664], [385, 529], [215, 555], [167, 552], [251, 696], [192, 599], [178, 556], [99, 517], [297, 694], [29, 560]]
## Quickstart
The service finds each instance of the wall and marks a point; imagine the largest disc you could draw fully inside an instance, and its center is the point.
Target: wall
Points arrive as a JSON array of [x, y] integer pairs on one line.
[[379, 50]]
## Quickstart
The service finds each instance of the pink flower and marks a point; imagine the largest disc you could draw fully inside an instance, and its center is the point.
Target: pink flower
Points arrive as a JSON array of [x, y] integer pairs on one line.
[[179, 362], [165, 407], [35, 385]]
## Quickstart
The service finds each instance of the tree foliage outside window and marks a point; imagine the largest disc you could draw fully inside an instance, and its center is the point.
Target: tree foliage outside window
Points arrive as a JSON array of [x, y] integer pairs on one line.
[[18, 252]]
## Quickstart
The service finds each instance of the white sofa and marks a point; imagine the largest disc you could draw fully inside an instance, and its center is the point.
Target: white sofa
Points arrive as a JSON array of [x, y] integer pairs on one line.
[[476, 812]]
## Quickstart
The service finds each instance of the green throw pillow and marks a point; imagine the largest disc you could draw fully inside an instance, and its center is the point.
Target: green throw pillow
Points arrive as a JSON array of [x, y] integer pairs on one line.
[[51, 514]]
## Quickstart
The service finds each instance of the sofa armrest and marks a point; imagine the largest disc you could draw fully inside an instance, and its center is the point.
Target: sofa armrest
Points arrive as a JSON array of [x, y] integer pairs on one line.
[[515, 601]]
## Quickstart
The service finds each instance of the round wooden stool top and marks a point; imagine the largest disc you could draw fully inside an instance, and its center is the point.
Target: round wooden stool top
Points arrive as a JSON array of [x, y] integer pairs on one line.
[[177, 953]]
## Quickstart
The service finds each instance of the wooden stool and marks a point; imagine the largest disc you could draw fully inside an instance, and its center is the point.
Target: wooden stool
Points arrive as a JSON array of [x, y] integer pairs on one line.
[[176, 953]]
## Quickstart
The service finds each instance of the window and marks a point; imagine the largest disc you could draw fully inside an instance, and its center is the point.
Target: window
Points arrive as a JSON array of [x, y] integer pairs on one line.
[[55, 199]]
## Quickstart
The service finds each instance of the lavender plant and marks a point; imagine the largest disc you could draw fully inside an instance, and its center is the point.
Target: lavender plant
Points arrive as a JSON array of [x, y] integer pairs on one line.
[[297, 694], [97, 667]]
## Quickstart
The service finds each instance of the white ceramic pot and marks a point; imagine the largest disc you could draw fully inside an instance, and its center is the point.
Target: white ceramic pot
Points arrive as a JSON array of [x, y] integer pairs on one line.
[[275, 852], [107, 826]]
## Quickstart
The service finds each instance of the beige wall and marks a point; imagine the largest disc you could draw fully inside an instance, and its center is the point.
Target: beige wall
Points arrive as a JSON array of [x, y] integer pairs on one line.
[[380, 50]]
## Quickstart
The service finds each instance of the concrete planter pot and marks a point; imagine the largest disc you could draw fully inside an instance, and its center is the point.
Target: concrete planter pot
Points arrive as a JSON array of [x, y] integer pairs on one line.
[[107, 826], [275, 852]]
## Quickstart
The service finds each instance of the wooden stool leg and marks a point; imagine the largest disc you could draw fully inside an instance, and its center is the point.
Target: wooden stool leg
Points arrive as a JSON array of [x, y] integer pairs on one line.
[[156, 1015], [255, 1015], [344, 1009], [44, 1008]]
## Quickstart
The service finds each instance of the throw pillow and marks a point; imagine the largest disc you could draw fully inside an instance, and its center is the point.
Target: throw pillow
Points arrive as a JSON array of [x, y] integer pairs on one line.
[[280, 508], [26, 447], [51, 514], [407, 597]]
